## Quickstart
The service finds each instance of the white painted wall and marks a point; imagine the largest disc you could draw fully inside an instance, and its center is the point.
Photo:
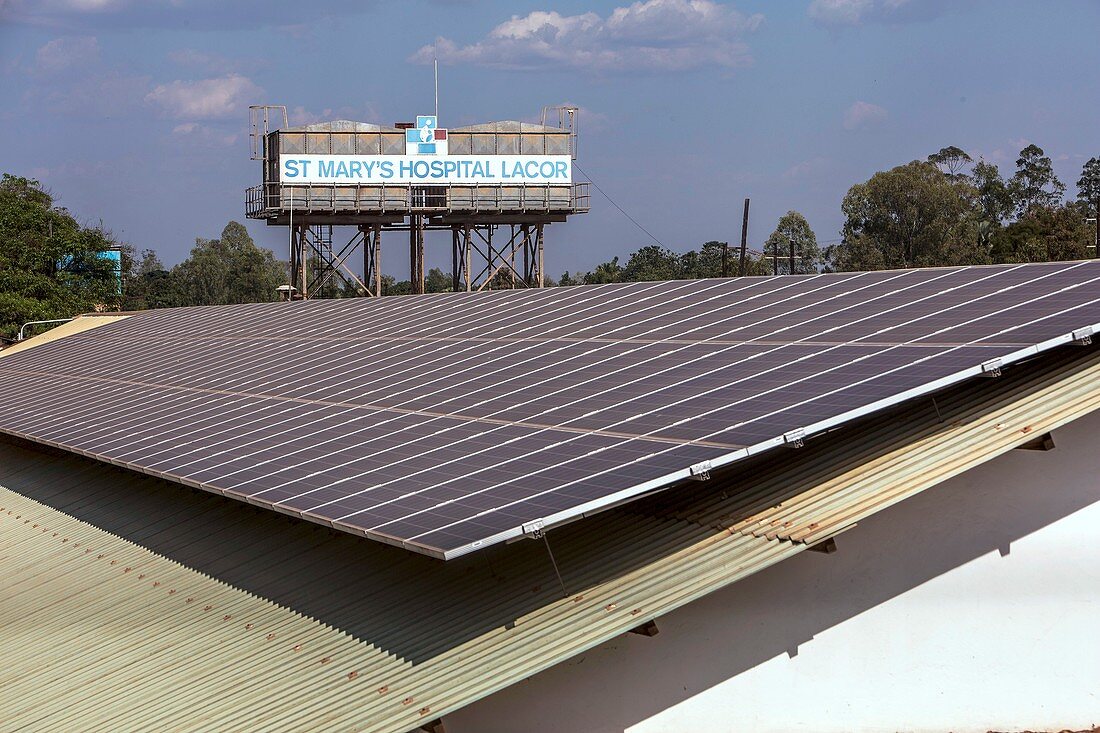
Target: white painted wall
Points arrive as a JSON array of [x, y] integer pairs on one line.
[[972, 607]]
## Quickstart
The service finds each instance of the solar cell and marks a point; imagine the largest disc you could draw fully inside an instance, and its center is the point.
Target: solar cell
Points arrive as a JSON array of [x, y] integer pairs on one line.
[[445, 423]]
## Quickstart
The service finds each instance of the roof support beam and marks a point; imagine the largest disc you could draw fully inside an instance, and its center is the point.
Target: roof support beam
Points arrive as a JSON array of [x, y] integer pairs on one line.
[[825, 547], [649, 628], [1042, 442]]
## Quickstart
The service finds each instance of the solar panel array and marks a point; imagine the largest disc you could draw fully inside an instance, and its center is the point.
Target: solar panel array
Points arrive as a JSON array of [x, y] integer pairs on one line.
[[445, 423]]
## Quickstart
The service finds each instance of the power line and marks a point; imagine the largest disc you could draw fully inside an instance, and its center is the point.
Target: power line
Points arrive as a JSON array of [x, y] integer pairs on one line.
[[621, 210]]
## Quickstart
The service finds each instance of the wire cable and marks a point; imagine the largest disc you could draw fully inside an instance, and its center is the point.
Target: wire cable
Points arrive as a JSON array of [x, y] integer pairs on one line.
[[621, 210]]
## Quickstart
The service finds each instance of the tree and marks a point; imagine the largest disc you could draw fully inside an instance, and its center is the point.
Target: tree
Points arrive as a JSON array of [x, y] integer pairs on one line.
[[910, 216], [651, 263], [437, 282], [793, 227], [393, 286], [951, 161], [1046, 235], [50, 266], [1034, 185], [567, 279], [1088, 186], [657, 263], [231, 269], [605, 272], [994, 198], [149, 284], [707, 261]]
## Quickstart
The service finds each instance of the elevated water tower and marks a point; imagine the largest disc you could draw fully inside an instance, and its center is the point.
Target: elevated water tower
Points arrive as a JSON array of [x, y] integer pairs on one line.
[[494, 186]]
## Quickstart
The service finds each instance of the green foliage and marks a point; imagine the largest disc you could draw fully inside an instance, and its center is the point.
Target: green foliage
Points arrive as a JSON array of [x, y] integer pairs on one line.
[[651, 263], [150, 284], [1088, 186], [994, 198], [567, 279], [393, 286], [924, 213], [913, 215], [951, 161], [231, 269], [793, 227], [707, 262], [50, 265], [1034, 185], [1046, 235], [436, 281]]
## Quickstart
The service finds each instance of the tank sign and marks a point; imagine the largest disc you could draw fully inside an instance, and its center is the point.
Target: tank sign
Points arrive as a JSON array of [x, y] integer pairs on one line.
[[438, 170]]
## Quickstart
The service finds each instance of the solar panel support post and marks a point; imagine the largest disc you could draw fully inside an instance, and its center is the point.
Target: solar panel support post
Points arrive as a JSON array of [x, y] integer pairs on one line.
[[744, 240]]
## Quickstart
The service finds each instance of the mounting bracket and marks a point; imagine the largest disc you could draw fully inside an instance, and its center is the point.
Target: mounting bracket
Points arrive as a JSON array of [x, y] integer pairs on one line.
[[700, 471], [991, 368], [795, 438], [534, 529]]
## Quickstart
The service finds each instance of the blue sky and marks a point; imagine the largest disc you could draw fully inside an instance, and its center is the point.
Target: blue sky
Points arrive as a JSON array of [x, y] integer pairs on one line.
[[135, 112]]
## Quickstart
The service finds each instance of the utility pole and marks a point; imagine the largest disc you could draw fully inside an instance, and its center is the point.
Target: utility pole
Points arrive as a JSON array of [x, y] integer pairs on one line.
[[744, 240], [790, 240], [725, 259]]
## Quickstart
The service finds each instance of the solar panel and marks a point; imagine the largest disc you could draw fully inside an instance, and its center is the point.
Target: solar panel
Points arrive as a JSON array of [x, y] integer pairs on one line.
[[446, 423]]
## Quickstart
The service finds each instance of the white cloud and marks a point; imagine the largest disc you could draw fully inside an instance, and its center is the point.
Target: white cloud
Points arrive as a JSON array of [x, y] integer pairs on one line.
[[298, 116], [209, 62], [104, 94], [63, 53], [864, 114], [855, 12], [216, 15], [587, 119], [807, 168], [839, 12], [227, 96], [88, 6], [654, 35], [204, 134], [38, 10]]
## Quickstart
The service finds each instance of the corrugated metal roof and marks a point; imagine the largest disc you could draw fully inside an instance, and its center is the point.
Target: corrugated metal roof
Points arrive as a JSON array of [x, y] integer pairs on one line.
[[128, 603], [352, 126], [509, 126], [77, 325], [341, 126]]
